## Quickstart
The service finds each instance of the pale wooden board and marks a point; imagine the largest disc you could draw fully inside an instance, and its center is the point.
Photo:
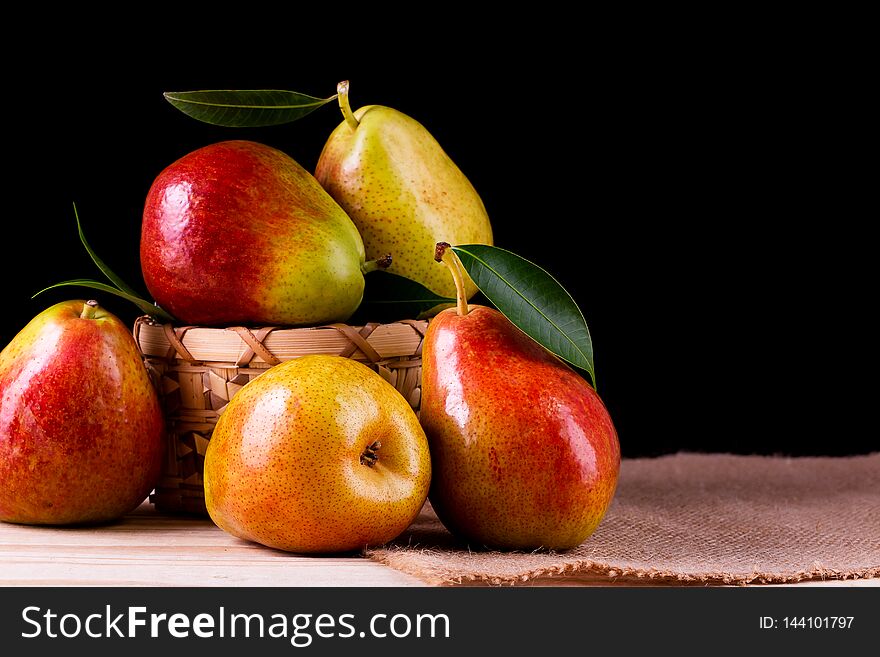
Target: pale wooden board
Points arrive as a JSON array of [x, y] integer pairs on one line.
[[151, 549]]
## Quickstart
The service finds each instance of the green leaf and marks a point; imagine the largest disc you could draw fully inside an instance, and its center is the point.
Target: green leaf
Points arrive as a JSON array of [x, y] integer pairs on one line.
[[245, 109], [144, 305], [533, 300], [113, 278], [389, 297]]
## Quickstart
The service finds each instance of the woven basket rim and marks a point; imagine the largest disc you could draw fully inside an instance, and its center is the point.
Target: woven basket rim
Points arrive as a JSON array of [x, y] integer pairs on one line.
[[372, 342]]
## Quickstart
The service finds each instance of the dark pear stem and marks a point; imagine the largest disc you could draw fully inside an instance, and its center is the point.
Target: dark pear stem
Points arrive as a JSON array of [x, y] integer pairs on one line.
[[342, 96], [90, 307], [443, 253], [371, 454], [379, 263]]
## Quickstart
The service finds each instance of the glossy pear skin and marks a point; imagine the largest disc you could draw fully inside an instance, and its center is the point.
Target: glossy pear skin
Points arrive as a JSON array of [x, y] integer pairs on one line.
[[284, 466], [239, 233], [524, 453], [404, 193], [81, 428]]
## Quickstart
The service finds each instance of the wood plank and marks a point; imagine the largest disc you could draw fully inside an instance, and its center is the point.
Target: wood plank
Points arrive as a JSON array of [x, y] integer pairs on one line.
[[147, 548]]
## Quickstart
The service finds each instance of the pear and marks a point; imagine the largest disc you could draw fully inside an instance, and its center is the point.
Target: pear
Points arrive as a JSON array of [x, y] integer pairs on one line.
[[402, 191], [81, 428], [239, 233], [524, 453], [319, 454]]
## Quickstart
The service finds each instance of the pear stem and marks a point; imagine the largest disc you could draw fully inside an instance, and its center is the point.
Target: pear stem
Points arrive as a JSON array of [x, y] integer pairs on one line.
[[379, 263], [90, 307], [342, 96], [444, 253], [371, 454]]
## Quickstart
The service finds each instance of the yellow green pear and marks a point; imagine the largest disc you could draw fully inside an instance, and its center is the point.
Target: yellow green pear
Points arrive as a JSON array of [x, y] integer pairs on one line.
[[402, 191]]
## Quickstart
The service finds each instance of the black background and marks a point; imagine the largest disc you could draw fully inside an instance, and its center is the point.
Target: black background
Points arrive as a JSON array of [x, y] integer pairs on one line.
[[691, 194]]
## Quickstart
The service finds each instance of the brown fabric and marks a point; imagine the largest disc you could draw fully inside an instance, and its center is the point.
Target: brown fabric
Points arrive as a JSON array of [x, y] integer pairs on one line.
[[692, 518]]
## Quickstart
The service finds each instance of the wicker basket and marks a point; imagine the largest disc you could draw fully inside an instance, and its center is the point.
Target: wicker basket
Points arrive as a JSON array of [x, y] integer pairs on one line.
[[197, 371]]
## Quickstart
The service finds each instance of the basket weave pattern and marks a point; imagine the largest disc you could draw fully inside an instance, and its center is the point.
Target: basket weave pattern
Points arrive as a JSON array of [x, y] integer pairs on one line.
[[198, 370]]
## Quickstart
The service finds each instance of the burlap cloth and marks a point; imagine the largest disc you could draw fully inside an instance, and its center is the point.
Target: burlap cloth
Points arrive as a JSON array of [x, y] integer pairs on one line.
[[691, 518]]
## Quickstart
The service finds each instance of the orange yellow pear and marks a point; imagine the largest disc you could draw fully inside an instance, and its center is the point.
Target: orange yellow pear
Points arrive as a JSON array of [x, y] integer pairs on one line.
[[319, 454]]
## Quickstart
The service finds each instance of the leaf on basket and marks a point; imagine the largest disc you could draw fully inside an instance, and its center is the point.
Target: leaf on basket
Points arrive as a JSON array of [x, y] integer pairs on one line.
[[389, 297], [533, 300], [247, 108]]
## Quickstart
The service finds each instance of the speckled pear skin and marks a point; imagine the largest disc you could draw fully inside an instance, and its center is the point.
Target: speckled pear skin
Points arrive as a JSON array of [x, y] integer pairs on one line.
[[524, 453], [239, 233], [81, 429], [285, 468], [404, 194]]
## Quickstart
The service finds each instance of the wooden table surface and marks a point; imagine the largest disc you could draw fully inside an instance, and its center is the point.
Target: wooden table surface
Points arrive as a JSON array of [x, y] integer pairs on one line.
[[148, 548]]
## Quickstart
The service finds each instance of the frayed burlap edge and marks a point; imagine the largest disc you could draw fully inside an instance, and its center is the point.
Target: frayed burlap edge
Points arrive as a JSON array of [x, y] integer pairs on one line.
[[614, 574], [669, 518]]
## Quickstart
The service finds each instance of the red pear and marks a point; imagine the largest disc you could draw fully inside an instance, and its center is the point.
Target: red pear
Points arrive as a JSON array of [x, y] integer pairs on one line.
[[81, 428], [239, 233], [524, 453]]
